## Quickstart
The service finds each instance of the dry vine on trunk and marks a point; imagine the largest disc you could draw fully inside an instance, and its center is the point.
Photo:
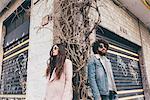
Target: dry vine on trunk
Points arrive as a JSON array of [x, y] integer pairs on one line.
[[72, 26]]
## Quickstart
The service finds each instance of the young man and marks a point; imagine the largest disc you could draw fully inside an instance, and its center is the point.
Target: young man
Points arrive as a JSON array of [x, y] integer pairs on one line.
[[100, 74]]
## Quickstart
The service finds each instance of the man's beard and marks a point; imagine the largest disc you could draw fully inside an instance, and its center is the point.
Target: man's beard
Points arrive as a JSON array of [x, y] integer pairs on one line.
[[101, 53]]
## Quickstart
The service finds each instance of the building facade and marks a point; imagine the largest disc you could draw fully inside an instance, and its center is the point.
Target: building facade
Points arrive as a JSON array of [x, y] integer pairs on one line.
[[26, 36]]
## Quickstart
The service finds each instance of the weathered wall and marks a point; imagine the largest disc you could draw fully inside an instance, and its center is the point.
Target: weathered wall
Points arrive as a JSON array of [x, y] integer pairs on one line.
[[40, 42]]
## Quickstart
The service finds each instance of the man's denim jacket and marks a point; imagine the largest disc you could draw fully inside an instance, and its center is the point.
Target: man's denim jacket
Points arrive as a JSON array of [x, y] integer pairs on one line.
[[97, 78]]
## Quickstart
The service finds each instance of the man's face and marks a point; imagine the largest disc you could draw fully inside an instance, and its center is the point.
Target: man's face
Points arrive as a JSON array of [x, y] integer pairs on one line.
[[102, 49]]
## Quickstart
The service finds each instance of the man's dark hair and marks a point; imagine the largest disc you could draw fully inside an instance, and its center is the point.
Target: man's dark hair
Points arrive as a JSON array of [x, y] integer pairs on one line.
[[96, 45]]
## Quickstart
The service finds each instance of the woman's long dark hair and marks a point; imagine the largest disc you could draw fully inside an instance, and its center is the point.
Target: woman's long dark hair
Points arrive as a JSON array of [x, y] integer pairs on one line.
[[56, 61]]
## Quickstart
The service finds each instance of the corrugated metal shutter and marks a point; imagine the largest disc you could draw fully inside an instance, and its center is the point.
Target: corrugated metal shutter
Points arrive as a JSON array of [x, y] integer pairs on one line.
[[14, 66], [125, 65]]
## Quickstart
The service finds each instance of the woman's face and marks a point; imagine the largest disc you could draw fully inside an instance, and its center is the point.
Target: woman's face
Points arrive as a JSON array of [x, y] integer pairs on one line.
[[55, 50]]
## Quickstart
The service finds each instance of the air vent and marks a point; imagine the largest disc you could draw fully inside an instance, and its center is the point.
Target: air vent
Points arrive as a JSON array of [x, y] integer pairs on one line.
[[146, 3]]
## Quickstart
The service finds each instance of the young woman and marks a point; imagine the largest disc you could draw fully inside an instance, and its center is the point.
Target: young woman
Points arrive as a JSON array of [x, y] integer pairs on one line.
[[59, 74]]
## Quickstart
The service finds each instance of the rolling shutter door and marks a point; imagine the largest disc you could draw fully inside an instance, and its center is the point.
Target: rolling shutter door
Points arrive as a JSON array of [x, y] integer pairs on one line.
[[125, 65], [15, 57]]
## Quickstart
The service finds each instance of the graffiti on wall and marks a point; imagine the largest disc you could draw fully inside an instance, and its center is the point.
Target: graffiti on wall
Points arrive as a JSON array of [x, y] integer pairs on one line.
[[132, 66], [122, 65], [128, 68]]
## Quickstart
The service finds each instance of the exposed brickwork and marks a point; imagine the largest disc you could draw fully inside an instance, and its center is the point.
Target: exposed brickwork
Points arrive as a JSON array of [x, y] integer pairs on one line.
[[117, 20]]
